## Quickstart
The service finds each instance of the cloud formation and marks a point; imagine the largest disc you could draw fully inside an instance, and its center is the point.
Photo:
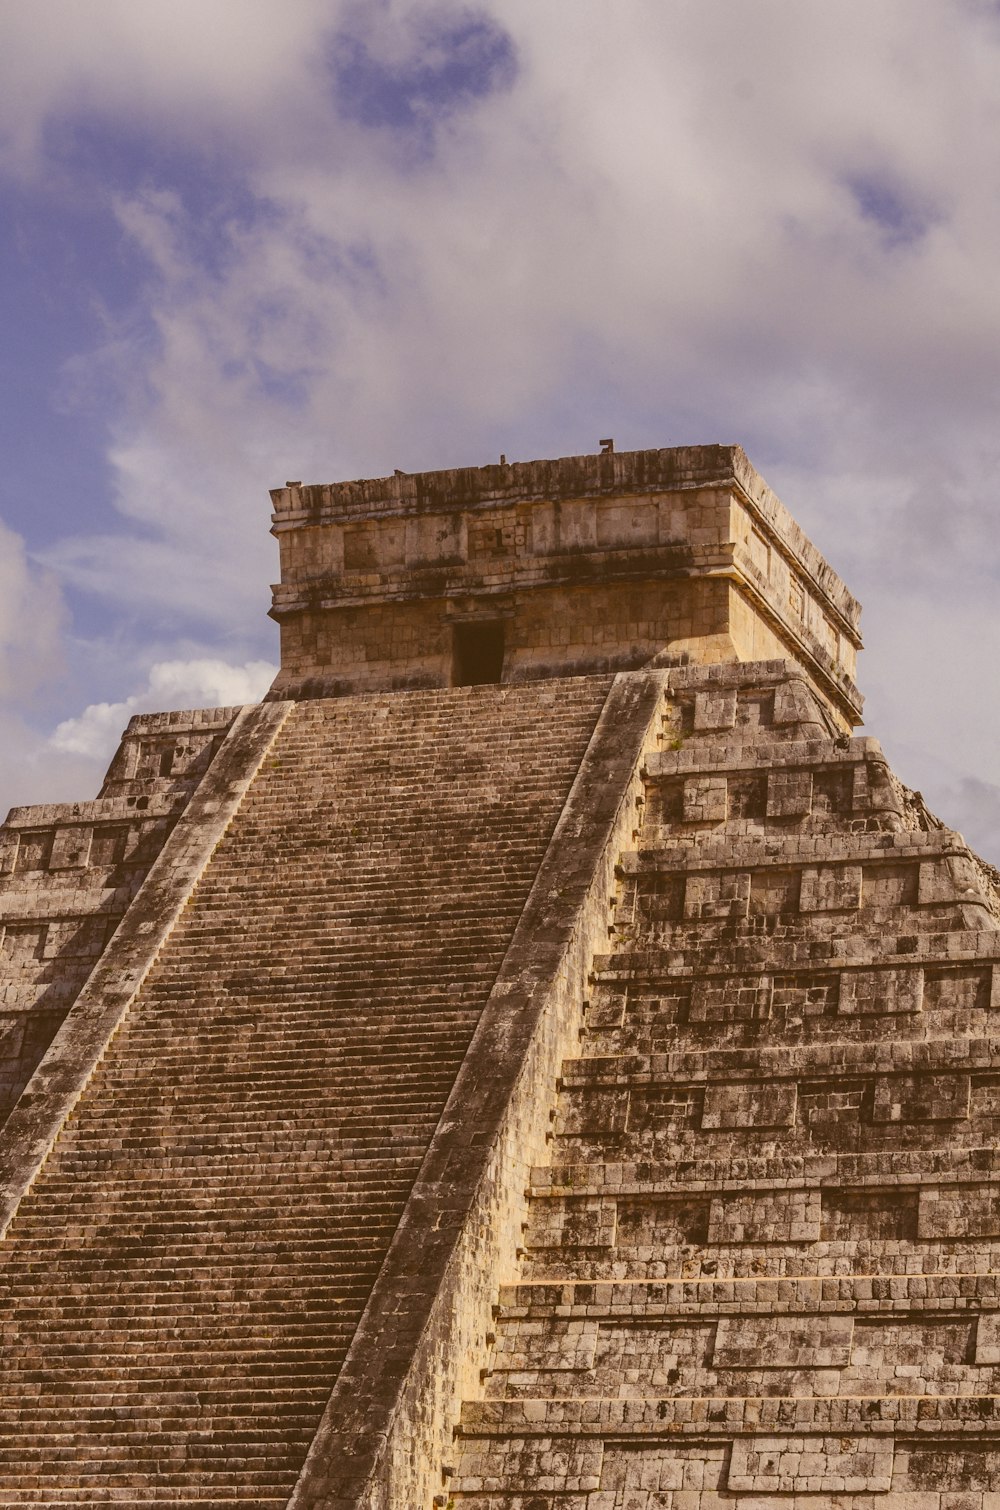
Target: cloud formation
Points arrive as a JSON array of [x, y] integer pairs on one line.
[[172, 684], [31, 621], [417, 234]]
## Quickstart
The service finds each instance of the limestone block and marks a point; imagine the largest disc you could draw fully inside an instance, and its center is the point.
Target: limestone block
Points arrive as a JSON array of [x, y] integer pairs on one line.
[[773, 890], [793, 704], [663, 1109], [882, 992], [109, 845], [8, 850], [705, 799], [811, 1465], [593, 1112], [22, 942], [587, 1223], [608, 1012], [12, 1029], [766, 1216], [988, 1337], [830, 888], [733, 999], [921, 1098], [783, 1342], [957, 1476], [566, 1347], [538, 1464], [862, 1216], [657, 1470], [789, 794], [951, 878], [625, 525], [76, 938], [805, 994], [747, 1105], [714, 894], [890, 885], [33, 850], [70, 847], [958, 1211], [714, 710], [647, 1227], [874, 792]]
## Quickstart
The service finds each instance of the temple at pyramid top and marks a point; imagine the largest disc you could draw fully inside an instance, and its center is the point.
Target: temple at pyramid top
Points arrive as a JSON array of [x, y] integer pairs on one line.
[[517, 572]]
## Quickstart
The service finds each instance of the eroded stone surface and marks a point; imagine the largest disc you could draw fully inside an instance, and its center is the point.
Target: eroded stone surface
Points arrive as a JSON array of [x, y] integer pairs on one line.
[[764, 1248]]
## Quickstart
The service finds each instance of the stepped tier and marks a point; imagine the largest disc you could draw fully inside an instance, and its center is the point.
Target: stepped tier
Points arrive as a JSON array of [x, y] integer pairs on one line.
[[760, 1267]]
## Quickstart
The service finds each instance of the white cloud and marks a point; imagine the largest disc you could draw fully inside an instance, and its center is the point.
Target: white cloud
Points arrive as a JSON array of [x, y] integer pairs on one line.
[[31, 620], [176, 66], [172, 684], [773, 223]]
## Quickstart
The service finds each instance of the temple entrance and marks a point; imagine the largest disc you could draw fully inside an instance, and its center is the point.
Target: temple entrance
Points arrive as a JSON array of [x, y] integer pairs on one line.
[[477, 653]]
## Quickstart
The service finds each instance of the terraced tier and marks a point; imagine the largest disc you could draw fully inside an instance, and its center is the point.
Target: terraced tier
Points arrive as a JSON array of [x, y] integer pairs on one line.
[[760, 1270], [180, 1285]]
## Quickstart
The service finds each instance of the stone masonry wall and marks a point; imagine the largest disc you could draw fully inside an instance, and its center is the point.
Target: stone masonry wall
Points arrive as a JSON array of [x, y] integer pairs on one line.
[[588, 564], [69, 872], [760, 1266]]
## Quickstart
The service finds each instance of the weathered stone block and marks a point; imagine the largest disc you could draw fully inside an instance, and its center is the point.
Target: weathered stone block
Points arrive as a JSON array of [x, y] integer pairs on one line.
[[789, 794], [714, 894], [767, 1216], [783, 1342], [747, 1105], [959, 1211], [830, 888], [921, 1098], [988, 1337], [714, 710], [880, 992], [811, 1465], [705, 799]]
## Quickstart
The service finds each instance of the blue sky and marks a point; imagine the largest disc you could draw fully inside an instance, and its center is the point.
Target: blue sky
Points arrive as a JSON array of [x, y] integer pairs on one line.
[[242, 241]]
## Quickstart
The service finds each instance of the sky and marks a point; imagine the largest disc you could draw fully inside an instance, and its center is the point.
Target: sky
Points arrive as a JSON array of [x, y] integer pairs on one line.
[[243, 241]]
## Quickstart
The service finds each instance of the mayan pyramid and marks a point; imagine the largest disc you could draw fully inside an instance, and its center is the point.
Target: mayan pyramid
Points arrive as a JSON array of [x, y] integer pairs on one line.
[[537, 1059]]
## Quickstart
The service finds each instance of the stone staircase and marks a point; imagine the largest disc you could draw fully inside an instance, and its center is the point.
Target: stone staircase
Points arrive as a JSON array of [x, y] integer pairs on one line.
[[761, 1269], [69, 872], [180, 1285]]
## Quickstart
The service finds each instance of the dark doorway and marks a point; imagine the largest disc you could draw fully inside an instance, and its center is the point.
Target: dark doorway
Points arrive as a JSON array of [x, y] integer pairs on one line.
[[477, 653]]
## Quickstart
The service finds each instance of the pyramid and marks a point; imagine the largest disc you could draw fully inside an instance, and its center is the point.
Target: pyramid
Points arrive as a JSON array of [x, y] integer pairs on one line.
[[540, 1058]]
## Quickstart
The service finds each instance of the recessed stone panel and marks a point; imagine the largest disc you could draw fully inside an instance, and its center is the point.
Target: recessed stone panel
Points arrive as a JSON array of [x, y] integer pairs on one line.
[[744, 1104], [715, 894], [811, 1465], [734, 998], [880, 992], [783, 1342], [959, 1211], [830, 888], [765, 1216], [789, 794], [714, 710], [921, 1098], [705, 799]]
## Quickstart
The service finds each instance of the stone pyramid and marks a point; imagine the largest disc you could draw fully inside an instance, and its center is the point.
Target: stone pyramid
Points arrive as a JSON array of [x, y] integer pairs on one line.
[[538, 1059]]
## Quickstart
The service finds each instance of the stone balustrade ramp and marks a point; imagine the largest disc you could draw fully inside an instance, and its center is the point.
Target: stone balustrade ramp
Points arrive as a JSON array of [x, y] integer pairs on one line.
[[180, 1284]]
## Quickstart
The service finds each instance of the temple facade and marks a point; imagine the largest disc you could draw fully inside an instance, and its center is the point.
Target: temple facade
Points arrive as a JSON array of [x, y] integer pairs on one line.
[[539, 1058]]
